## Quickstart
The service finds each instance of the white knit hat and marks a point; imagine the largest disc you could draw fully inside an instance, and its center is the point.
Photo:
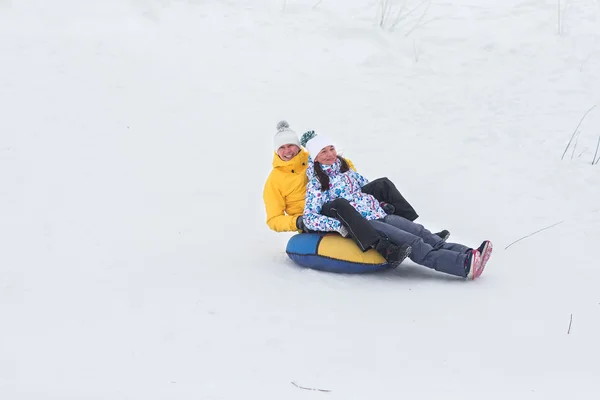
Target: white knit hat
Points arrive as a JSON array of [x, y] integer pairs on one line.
[[285, 135], [315, 143]]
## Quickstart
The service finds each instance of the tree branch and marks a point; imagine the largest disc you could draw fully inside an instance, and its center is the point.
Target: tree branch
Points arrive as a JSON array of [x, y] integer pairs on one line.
[[525, 237], [307, 388]]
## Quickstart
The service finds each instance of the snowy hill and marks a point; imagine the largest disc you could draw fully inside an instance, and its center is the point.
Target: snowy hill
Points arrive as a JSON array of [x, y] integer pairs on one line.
[[135, 139]]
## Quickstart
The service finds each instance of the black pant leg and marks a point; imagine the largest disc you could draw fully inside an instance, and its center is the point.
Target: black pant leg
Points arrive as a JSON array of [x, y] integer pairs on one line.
[[361, 231], [384, 190]]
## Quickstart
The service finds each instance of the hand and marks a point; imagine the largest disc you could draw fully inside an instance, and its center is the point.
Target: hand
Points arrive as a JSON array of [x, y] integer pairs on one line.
[[300, 224], [387, 207]]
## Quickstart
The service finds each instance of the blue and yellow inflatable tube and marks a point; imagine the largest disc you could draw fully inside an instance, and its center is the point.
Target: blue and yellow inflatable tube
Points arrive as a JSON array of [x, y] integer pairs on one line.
[[333, 253]]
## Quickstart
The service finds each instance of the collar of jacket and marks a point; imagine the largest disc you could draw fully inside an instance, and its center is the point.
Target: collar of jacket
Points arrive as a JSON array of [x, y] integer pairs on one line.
[[332, 169], [295, 165]]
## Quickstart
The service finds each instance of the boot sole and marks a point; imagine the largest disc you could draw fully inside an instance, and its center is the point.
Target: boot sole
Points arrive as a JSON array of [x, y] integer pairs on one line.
[[486, 253], [403, 256]]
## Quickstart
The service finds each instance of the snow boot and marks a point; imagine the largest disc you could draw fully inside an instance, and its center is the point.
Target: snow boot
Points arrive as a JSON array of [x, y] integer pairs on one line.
[[473, 264], [392, 253], [443, 234], [486, 252]]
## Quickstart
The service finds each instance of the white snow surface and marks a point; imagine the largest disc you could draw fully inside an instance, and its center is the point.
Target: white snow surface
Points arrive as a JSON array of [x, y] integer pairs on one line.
[[135, 139]]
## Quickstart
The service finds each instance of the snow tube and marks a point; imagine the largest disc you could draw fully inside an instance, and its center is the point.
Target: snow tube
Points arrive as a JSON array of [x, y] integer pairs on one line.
[[333, 253]]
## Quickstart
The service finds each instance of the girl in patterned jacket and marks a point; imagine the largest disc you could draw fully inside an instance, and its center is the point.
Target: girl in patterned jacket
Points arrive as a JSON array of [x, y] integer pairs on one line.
[[329, 178], [285, 192]]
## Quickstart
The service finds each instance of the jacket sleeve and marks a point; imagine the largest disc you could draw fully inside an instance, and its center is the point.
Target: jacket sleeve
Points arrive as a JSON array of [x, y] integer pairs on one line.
[[275, 207], [312, 219]]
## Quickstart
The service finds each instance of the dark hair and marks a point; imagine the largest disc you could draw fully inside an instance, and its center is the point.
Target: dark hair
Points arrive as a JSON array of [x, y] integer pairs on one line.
[[324, 178]]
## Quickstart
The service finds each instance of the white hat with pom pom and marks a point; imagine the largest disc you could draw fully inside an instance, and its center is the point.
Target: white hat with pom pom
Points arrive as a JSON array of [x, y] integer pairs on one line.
[[285, 135]]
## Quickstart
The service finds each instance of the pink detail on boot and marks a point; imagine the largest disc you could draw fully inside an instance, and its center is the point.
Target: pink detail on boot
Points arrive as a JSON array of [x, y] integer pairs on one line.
[[475, 265], [485, 256]]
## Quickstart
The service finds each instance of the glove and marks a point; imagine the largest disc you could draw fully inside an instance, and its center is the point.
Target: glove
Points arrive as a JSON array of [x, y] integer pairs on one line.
[[344, 231], [300, 224], [387, 207]]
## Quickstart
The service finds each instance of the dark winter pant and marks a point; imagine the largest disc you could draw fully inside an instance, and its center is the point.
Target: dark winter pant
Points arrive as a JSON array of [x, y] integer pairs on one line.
[[384, 190], [427, 249], [361, 231]]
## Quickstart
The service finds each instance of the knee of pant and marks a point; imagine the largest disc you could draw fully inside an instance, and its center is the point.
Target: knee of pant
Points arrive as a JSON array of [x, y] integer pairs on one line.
[[419, 249], [331, 208], [341, 204], [387, 182], [329, 211], [417, 241], [420, 227], [340, 201]]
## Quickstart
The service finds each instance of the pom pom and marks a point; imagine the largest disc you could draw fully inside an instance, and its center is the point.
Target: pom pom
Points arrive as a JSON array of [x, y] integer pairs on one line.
[[282, 125], [306, 136]]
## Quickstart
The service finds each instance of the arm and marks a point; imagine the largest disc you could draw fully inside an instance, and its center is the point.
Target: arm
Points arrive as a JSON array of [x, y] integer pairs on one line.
[[312, 218], [275, 207]]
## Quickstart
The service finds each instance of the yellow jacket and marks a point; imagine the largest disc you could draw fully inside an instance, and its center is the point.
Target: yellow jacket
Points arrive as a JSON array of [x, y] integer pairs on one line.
[[285, 191]]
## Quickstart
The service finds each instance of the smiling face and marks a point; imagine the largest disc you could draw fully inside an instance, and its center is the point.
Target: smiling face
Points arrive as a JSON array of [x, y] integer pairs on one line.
[[327, 155], [288, 151]]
